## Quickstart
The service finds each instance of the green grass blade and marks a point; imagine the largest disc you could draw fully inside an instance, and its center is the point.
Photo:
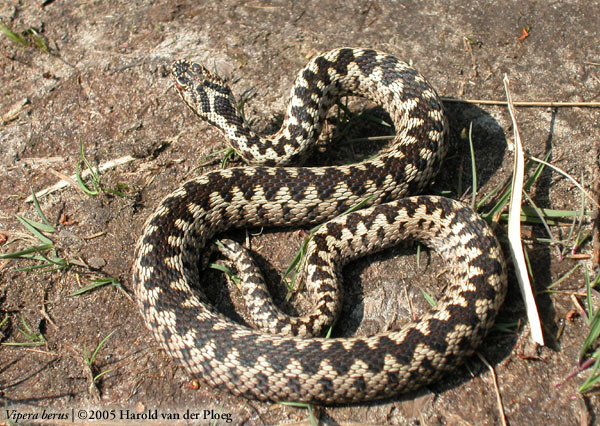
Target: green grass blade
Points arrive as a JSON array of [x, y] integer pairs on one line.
[[94, 175], [26, 326], [37, 39], [371, 139], [593, 334], [376, 120], [25, 253], [58, 261], [554, 213], [35, 339], [95, 284], [12, 35], [294, 404], [329, 331], [589, 299], [540, 215], [593, 318], [4, 320], [44, 267], [538, 171], [95, 179], [489, 195], [564, 277], [359, 205], [31, 227], [551, 216], [49, 227], [506, 327], [230, 153], [102, 342], [42, 227], [505, 195], [432, 302], [115, 191], [227, 272], [296, 261], [39, 343], [95, 379], [594, 376], [81, 183]]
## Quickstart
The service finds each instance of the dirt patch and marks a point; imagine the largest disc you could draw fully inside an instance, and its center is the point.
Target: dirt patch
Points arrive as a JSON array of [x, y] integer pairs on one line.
[[106, 85]]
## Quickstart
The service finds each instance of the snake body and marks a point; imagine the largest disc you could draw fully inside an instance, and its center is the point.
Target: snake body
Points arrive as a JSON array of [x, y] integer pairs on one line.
[[259, 364]]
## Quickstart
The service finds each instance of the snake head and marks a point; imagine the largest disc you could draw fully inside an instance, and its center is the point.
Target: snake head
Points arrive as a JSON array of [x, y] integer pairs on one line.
[[204, 92]]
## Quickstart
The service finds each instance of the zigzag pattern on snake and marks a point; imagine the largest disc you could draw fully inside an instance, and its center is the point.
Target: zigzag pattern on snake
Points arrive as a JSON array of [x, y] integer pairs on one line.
[[263, 365]]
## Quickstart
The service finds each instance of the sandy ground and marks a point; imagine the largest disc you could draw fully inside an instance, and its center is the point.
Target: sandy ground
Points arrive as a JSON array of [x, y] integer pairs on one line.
[[105, 84]]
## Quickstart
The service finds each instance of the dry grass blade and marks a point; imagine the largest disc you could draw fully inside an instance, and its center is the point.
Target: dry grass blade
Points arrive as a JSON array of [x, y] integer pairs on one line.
[[514, 227]]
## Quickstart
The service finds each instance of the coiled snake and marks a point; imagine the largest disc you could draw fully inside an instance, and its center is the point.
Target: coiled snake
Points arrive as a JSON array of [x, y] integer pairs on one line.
[[267, 366]]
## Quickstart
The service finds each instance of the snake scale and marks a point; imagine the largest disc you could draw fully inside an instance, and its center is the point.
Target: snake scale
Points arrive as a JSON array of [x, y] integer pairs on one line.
[[265, 364]]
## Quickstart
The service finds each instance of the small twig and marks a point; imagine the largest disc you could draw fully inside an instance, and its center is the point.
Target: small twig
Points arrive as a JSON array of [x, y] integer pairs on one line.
[[96, 235], [578, 305], [498, 396], [43, 310], [596, 195], [413, 315], [540, 104], [39, 351]]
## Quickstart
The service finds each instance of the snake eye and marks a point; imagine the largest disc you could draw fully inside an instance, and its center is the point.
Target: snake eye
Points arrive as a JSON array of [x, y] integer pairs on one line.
[[196, 69]]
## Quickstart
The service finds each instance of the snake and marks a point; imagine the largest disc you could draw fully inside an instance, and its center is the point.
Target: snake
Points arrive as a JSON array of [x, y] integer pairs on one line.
[[288, 361]]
